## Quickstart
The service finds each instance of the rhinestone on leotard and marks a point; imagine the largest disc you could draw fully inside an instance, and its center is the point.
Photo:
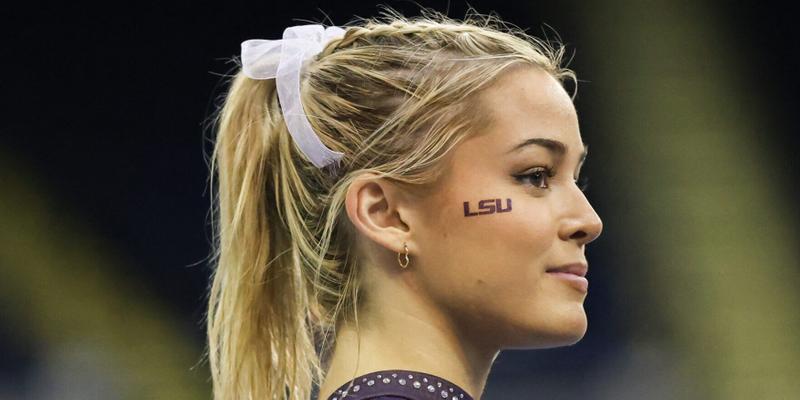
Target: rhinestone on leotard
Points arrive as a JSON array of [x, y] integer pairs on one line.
[[447, 392]]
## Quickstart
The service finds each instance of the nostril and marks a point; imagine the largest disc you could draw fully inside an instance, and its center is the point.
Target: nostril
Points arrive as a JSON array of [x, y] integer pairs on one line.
[[578, 235]]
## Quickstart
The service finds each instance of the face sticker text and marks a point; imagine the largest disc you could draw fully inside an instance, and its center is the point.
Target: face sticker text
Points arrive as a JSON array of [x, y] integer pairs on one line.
[[488, 206]]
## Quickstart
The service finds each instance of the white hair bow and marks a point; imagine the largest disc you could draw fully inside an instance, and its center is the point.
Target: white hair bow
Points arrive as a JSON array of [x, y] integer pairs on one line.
[[283, 59]]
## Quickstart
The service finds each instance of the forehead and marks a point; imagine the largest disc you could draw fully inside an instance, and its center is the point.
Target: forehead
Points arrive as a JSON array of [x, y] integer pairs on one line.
[[523, 103], [527, 102]]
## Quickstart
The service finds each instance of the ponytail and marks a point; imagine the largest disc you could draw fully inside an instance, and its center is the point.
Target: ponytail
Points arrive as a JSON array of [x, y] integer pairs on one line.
[[258, 345]]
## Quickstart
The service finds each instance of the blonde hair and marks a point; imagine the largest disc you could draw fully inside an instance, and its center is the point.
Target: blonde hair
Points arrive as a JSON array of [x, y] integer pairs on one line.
[[395, 95]]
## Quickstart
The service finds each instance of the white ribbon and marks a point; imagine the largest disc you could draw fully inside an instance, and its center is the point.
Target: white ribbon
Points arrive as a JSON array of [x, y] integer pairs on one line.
[[283, 60]]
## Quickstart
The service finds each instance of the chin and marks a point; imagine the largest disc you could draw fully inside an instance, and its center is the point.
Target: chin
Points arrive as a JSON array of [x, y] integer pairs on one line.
[[576, 336], [566, 329], [556, 332], [560, 340], [574, 330]]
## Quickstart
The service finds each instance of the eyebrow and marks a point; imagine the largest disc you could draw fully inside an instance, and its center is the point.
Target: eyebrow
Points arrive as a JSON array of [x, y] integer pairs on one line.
[[554, 146]]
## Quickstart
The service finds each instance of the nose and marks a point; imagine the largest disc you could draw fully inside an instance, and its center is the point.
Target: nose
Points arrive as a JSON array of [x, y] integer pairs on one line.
[[582, 224]]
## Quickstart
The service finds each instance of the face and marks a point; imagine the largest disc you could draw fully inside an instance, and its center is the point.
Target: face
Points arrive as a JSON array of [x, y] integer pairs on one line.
[[497, 221]]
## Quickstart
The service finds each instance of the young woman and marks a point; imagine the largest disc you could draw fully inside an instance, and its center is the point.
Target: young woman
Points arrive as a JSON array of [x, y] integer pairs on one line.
[[397, 203]]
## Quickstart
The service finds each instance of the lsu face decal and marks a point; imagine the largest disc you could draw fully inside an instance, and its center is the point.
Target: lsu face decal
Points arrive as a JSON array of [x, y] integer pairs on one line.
[[488, 206]]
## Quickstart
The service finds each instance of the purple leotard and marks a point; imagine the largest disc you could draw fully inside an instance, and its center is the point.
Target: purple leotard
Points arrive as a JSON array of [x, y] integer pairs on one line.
[[399, 384]]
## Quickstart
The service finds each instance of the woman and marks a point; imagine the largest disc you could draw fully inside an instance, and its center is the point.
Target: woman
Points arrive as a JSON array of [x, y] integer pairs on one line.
[[397, 202]]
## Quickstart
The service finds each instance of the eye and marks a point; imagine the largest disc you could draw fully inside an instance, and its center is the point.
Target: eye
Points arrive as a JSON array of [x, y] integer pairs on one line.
[[537, 177], [583, 183]]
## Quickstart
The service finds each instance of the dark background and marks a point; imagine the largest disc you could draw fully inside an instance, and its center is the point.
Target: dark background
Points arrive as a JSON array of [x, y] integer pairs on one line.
[[106, 109]]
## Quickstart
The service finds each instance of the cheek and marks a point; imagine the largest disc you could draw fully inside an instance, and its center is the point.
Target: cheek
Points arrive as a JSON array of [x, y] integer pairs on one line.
[[488, 270], [498, 242], [493, 253]]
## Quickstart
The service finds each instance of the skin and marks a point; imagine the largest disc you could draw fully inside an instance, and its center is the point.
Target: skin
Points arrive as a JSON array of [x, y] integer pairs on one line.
[[475, 285]]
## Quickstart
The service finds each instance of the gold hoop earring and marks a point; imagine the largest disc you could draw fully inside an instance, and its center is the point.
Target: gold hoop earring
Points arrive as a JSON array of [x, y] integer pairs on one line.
[[403, 265]]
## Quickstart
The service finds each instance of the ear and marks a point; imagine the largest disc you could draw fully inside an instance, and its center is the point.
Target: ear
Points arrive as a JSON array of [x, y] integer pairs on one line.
[[376, 208]]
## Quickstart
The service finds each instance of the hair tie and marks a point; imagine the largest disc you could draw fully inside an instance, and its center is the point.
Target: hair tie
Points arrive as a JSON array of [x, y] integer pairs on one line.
[[283, 60]]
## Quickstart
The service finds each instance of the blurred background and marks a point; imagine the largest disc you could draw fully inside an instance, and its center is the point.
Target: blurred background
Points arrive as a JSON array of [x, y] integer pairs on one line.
[[689, 108]]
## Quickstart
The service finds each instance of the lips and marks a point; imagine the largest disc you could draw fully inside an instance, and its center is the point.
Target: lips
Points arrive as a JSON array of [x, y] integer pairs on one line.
[[579, 269], [573, 274]]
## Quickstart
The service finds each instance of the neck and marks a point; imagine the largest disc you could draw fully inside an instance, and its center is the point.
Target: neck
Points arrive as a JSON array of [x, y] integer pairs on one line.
[[408, 338]]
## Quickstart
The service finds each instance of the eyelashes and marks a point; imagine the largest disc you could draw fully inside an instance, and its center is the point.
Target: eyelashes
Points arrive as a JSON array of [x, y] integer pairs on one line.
[[540, 174], [583, 183], [540, 178]]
